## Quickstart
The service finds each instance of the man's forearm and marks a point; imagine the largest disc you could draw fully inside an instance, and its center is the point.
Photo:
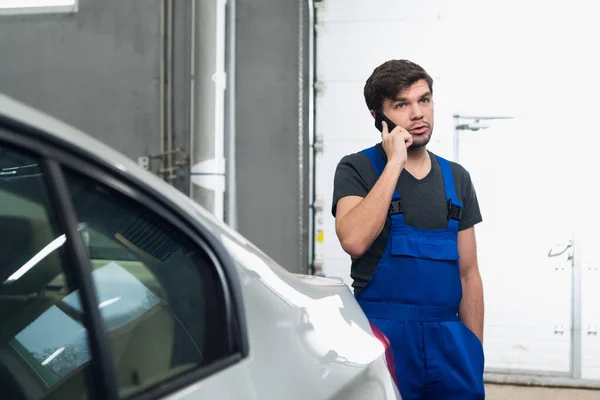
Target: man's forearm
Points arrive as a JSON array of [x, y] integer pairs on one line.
[[359, 228], [471, 308]]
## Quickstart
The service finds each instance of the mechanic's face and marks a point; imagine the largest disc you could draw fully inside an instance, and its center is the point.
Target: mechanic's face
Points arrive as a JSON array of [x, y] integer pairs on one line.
[[412, 109]]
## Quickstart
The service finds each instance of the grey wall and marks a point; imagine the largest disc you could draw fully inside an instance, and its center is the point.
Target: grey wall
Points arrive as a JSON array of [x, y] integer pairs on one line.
[[98, 69], [271, 212]]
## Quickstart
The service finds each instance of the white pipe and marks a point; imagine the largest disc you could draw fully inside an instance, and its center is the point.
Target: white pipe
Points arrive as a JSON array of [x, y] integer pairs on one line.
[[231, 115], [456, 140], [576, 306], [208, 163], [220, 85]]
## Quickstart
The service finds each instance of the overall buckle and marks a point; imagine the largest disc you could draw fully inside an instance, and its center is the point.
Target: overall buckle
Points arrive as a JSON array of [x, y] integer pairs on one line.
[[454, 212], [396, 207]]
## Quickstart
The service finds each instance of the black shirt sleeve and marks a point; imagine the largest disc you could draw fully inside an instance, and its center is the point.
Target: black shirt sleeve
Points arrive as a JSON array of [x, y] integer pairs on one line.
[[471, 214], [348, 181]]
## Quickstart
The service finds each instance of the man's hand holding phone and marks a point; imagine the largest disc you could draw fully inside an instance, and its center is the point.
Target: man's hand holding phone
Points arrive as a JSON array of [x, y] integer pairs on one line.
[[395, 144]]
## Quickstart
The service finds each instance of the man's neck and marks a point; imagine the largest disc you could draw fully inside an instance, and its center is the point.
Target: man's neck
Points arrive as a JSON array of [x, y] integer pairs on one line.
[[417, 155], [418, 162]]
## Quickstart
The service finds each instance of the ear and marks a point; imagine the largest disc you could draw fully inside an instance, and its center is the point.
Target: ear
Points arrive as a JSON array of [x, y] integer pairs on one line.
[[372, 113]]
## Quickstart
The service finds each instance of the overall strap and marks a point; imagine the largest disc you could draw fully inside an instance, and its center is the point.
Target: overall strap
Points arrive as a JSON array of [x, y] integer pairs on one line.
[[376, 159], [454, 206]]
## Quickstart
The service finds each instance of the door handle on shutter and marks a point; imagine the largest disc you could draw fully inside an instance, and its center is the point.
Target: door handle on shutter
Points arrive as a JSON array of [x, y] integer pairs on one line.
[[592, 330], [559, 250], [558, 330]]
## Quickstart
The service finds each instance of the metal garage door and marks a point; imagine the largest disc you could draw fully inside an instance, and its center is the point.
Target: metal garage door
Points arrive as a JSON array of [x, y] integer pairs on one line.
[[529, 296], [527, 213]]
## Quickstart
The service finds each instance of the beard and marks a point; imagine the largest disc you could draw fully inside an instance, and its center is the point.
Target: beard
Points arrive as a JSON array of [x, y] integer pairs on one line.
[[421, 140]]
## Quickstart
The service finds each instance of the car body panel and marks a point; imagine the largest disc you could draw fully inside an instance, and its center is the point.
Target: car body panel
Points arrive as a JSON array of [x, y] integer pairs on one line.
[[308, 338]]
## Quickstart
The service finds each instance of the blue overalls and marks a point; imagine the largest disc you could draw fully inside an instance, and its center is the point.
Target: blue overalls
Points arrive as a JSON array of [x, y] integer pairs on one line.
[[413, 298]]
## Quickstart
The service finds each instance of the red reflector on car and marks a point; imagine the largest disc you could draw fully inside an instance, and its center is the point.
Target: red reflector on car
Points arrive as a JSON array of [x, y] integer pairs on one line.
[[389, 354]]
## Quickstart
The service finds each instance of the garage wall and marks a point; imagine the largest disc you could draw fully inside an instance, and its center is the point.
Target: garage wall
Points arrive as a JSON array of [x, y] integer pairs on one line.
[[271, 126], [98, 69]]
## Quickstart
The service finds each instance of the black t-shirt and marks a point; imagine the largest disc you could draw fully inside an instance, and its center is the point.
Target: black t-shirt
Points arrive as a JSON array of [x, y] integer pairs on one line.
[[424, 203]]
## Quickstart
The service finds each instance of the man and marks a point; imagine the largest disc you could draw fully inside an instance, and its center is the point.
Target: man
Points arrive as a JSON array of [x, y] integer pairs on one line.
[[406, 217]]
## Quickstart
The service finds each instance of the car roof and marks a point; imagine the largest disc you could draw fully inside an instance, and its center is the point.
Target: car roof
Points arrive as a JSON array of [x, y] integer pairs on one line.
[[97, 151]]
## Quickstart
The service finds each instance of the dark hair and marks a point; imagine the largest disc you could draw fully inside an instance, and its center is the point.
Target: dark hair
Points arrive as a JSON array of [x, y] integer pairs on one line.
[[390, 78]]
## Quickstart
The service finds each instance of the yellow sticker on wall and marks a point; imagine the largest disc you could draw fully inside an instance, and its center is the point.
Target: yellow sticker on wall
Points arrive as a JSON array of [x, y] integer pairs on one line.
[[320, 237]]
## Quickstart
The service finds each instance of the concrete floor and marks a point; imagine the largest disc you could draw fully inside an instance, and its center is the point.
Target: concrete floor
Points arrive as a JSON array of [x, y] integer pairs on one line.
[[507, 392]]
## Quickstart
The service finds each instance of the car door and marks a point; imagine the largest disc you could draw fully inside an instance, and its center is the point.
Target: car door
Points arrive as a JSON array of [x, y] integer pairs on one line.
[[41, 342], [106, 291]]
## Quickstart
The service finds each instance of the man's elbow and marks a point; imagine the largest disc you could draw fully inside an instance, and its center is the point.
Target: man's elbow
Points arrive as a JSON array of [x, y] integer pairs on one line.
[[353, 241], [355, 248]]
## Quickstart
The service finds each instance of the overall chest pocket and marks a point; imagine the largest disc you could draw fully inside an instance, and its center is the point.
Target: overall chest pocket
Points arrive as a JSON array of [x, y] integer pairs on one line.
[[439, 245]]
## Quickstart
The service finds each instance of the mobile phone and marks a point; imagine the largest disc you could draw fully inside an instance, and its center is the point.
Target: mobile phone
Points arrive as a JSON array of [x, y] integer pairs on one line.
[[379, 118]]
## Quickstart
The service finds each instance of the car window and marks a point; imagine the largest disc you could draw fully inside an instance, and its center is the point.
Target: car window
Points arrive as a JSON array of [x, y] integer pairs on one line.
[[160, 294], [44, 352]]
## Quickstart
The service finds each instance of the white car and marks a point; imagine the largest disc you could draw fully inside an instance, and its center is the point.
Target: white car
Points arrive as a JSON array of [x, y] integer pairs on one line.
[[115, 285]]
